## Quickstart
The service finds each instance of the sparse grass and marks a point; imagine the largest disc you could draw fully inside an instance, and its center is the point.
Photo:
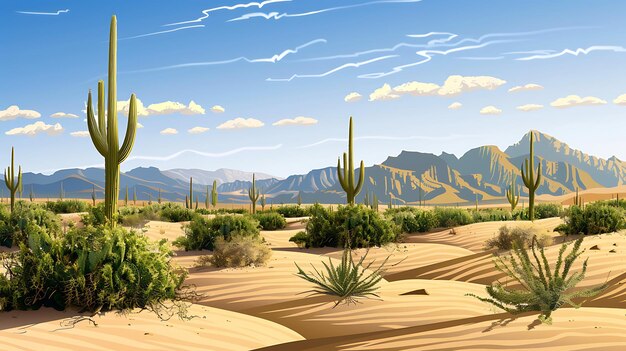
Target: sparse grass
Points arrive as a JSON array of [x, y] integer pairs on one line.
[[541, 288], [349, 280]]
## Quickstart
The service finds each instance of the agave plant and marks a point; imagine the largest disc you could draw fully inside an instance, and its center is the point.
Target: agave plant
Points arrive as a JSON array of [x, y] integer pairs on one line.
[[542, 289], [349, 280]]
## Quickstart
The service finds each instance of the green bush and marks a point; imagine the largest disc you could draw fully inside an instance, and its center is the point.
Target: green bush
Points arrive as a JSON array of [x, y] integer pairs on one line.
[[522, 235], [301, 239], [205, 211], [13, 225], [547, 210], [201, 233], [291, 211], [452, 217], [240, 251], [491, 215], [89, 268], [171, 212], [411, 220], [67, 206], [595, 218], [270, 220], [349, 226], [95, 215]]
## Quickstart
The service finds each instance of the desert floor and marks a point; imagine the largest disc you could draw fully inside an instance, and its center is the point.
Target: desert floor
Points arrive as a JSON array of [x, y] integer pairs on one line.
[[422, 304]]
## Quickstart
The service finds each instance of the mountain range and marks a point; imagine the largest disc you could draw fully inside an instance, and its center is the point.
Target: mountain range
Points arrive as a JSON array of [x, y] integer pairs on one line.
[[482, 173]]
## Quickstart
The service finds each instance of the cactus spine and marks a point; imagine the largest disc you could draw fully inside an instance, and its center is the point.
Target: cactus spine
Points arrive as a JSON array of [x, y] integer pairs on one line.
[[214, 194], [347, 178], [253, 194], [512, 196], [104, 132], [9, 179], [531, 182]]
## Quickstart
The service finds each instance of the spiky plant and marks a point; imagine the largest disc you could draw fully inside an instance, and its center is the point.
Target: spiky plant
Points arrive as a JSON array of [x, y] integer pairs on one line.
[[104, 132], [189, 199], [346, 177], [9, 179], [512, 196], [349, 280], [299, 198], [531, 182], [542, 289], [149, 199], [253, 194], [577, 199], [214, 194]]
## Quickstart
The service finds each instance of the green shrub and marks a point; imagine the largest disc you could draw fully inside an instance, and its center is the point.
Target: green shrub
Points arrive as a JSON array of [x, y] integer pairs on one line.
[[348, 281], [201, 233], [522, 235], [291, 211], [205, 211], [13, 225], [270, 220], [94, 216], [89, 268], [67, 206], [491, 215], [595, 218], [240, 251], [542, 288], [411, 220], [547, 210], [452, 217], [171, 212], [301, 239], [349, 226]]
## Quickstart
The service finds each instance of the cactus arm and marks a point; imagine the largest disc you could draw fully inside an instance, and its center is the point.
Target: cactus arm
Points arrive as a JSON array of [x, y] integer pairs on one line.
[[19, 179], [97, 137], [102, 125], [339, 175], [131, 130], [361, 179], [538, 177]]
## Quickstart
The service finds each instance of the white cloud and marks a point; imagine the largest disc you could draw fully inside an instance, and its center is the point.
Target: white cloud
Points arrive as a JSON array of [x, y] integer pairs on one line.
[[384, 93], [575, 100], [456, 84], [526, 87], [63, 115], [37, 128], [455, 106], [241, 123], [14, 112], [161, 108], [80, 134], [139, 125], [620, 100], [198, 130], [217, 109], [417, 88], [529, 107], [352, 97], [490, 110], [298, 121], [577, 52], [169, 131]]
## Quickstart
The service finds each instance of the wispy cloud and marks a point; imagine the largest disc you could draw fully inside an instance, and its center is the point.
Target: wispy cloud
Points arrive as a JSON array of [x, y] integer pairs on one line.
[[206, 12], [56, 13], [334, 70], [390, 138], [277, 15], [576, 52], [282, 55], [241, 123], [164, 32], [298, 121]]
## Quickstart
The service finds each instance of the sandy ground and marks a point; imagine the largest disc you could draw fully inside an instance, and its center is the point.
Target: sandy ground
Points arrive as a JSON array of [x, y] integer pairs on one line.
[[421, 303]]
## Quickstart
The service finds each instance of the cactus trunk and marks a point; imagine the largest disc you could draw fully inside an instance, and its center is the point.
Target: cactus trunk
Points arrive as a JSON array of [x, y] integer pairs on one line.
[[531, 182], [511, 196], [9, 179], [347, 179], [214, 194], [253, 194]]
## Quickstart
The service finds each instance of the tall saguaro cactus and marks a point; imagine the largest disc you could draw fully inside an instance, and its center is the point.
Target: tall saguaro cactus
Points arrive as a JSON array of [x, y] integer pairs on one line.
[[531, 182], [214, 194], [512, 196], [93, 195], [253, 194], [346, 178], [104, 132], [189, 199], [9, 179]]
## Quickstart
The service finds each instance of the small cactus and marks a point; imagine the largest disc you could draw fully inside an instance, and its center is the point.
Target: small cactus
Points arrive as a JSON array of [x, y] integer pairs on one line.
[[134, 196], [126, 197], [214, 194], [253, 194], [263, 202], [346, 177], [9, 179], [159, 198], [189, 199], [31, 195], [93, 195], [512, 196]]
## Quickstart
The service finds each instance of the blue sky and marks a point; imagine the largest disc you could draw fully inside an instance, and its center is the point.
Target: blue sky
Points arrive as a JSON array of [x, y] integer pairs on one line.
[[279, 60]]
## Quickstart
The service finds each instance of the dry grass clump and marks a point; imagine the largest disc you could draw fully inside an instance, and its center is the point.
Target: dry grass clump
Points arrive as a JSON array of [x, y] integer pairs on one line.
[[523, 234], [239, 251]]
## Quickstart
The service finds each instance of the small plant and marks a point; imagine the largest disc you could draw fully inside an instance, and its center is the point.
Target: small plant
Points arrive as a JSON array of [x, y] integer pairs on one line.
[[512, 196], [452, 217], [201, 233], [240, 251], [349, 280], [542, 289], [523, 235], [548, 210], [270, 220]]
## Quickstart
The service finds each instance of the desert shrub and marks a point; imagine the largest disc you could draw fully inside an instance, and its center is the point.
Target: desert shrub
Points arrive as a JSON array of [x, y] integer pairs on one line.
[[522, 235], [89, 268], [94, 216], [201, 233], [14, 225], [67, 206], [548, 210], [270, 220], [491, 215], [240, 251], [348, 281], [452, 217], [594, 218], [412, 220], [206, 211], [301, 239], [349, 226], [542, 288], [172, 212], [291, 211]]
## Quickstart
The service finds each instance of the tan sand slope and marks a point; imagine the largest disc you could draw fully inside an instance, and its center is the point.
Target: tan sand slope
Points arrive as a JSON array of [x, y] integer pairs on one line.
[[213, 329]]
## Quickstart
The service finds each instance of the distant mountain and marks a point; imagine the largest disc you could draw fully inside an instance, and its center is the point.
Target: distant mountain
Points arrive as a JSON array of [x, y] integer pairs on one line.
[[484, 173]]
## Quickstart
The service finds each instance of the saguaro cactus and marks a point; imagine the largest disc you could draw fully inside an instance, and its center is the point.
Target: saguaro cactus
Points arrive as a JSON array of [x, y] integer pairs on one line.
[[263, 202], [93, 195], [347, 178], [577, 199], [512, 196], [531, 182], [189, 199], [159, 198], [126, 197], [134, 196], [299, 198], [104, 132], [9, 179], [253, 194], [31, 195], [214, 194], [61, 192]]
